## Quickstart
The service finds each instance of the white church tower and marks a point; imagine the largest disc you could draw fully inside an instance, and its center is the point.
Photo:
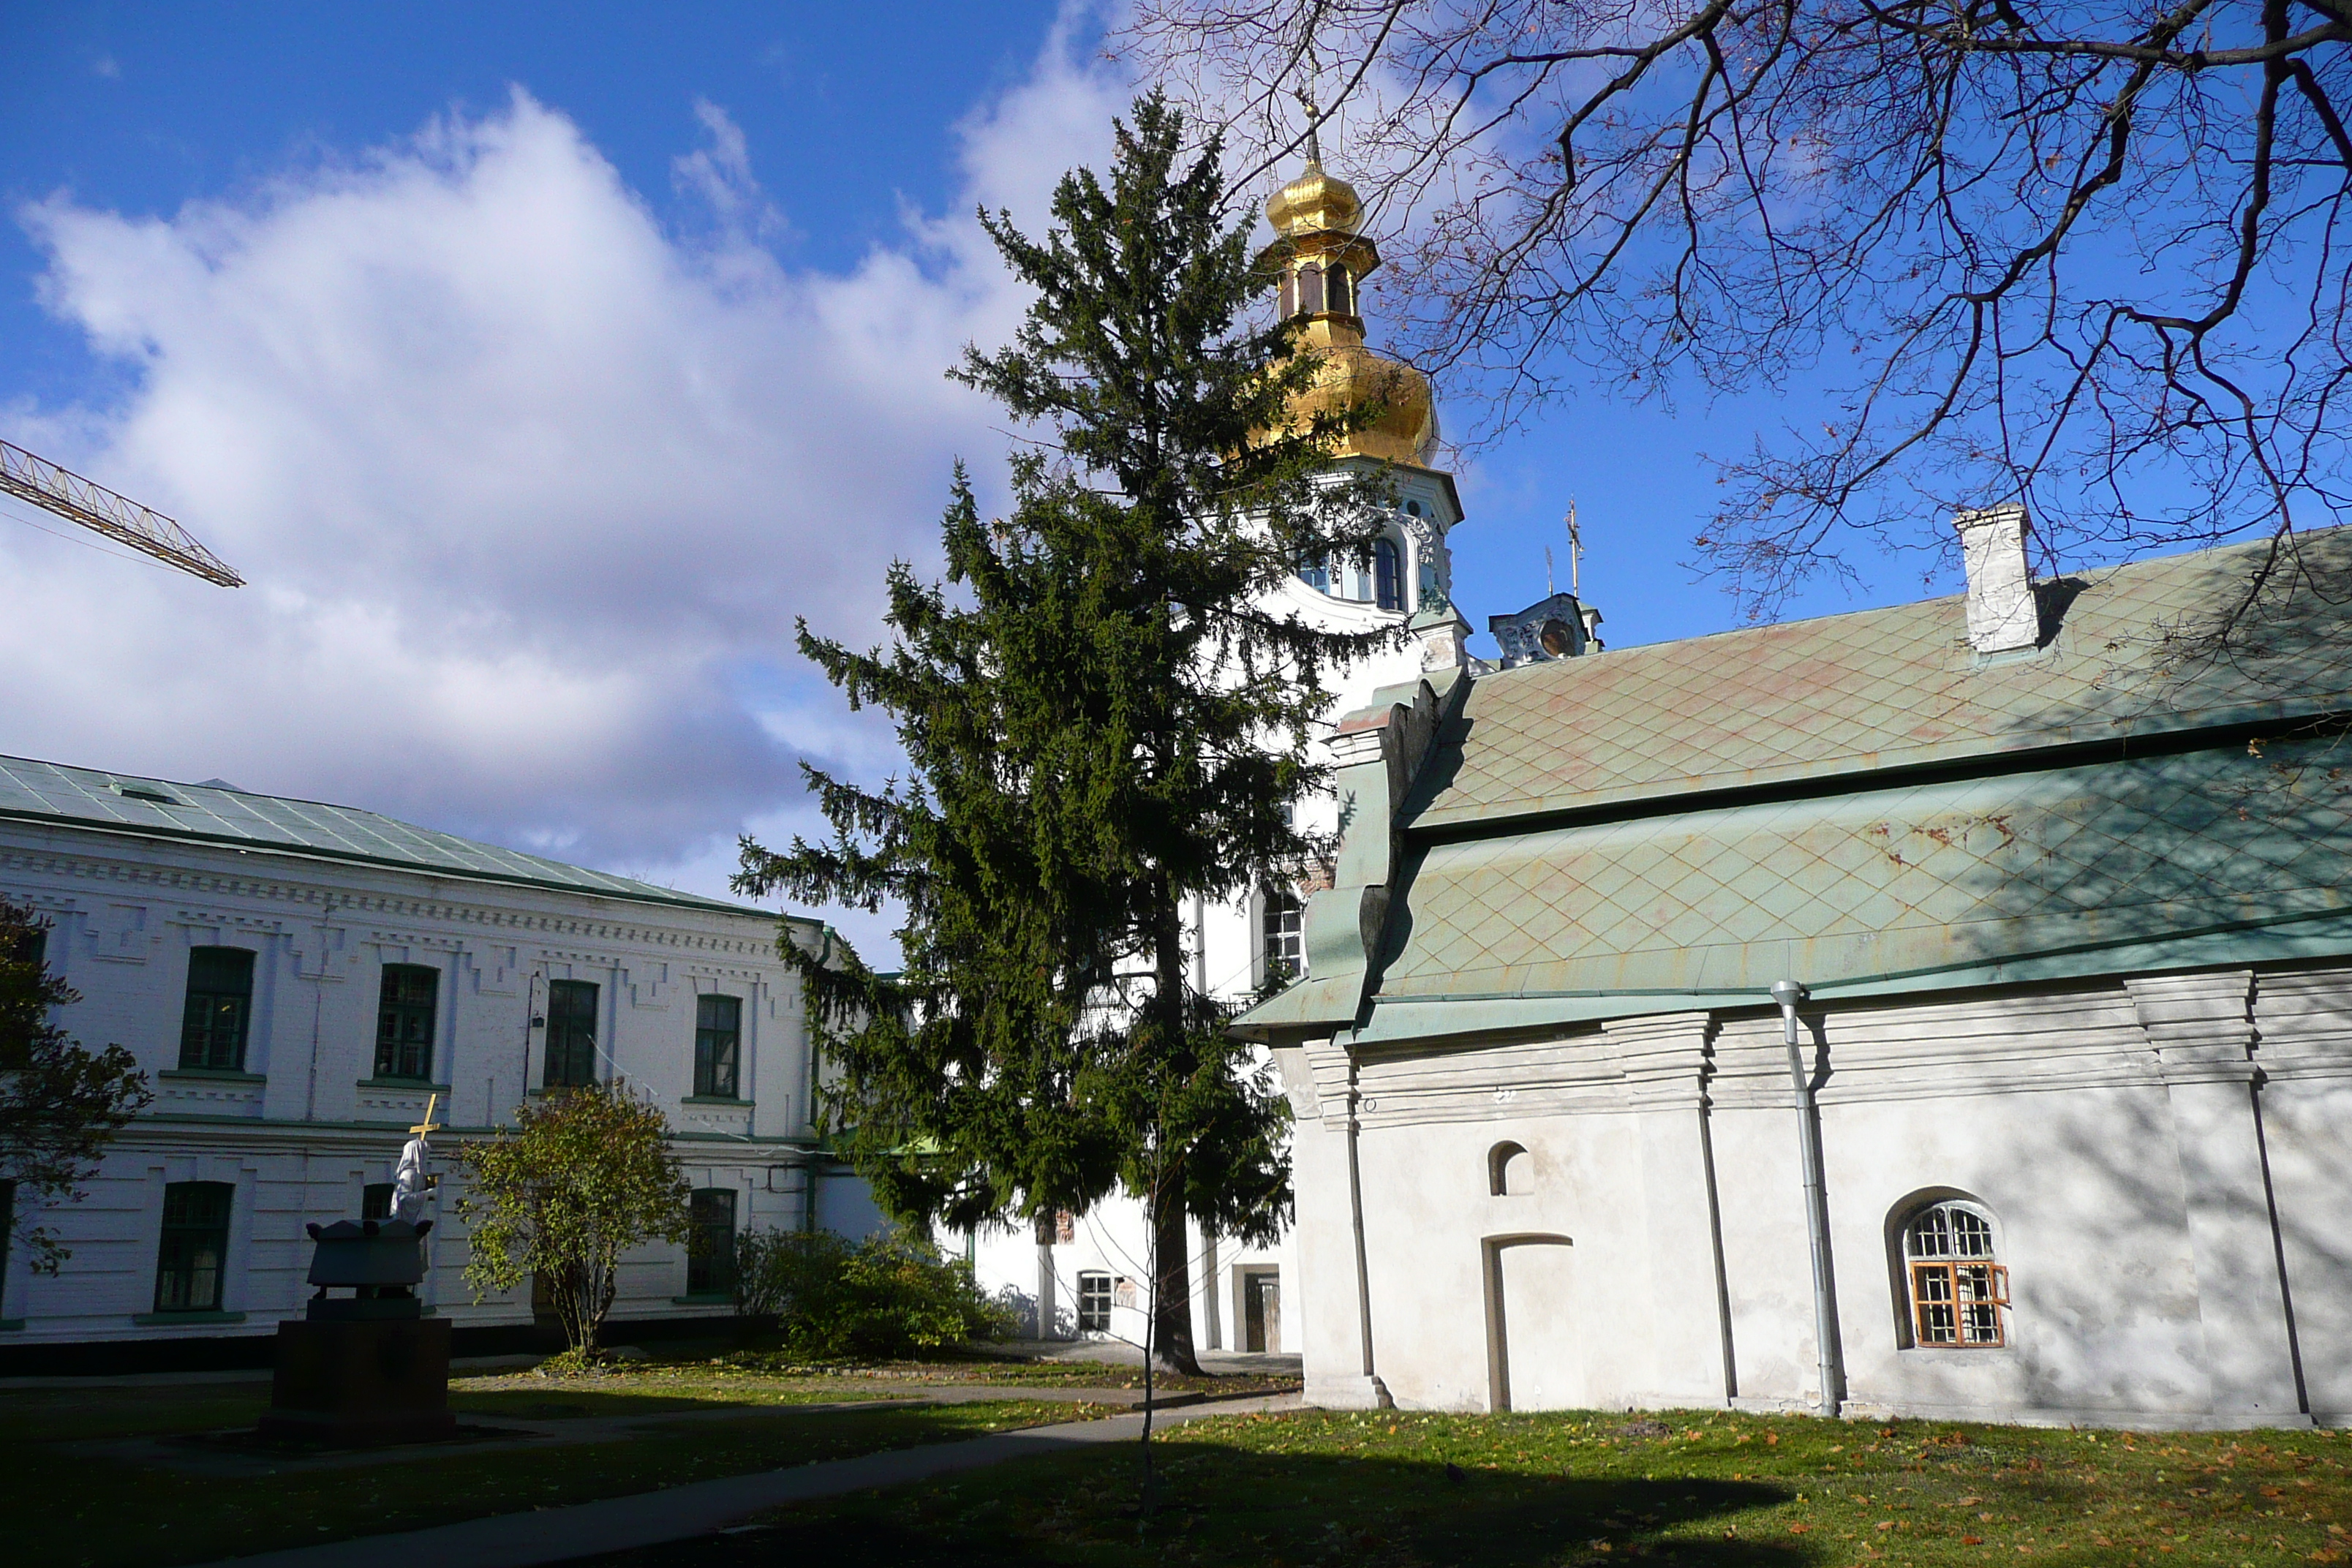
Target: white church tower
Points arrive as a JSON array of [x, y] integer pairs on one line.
[[1087, 1275]]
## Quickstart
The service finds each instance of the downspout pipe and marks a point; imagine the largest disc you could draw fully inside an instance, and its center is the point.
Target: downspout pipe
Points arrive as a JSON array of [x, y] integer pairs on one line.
[[1787, 993]]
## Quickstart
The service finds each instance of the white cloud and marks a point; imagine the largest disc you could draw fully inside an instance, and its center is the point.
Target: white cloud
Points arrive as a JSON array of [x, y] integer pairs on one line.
[[528, 489]]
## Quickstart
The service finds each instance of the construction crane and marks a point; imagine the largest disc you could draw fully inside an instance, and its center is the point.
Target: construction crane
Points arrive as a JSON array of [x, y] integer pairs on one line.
[[100, 510]]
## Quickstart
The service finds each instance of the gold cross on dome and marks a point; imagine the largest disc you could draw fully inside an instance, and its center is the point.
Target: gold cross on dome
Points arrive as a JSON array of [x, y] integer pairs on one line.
[[428, 1125]]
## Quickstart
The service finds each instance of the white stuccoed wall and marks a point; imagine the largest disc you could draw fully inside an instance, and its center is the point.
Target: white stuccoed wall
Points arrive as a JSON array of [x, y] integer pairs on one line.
[[2109, 1128], [304, 1129]]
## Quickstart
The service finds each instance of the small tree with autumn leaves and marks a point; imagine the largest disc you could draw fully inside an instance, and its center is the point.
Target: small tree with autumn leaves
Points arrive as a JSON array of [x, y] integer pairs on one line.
[[586, 1175]]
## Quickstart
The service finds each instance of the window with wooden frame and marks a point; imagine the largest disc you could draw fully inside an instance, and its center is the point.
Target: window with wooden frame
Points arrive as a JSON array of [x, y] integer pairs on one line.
[[1093, 1302], [193, 1258], [219, 1006], [571, 1033], [404, 1021], [1960, 1293], [717, 1046]]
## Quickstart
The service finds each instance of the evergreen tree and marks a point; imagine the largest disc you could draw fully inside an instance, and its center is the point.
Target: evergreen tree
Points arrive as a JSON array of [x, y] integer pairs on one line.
[[1104, 722]]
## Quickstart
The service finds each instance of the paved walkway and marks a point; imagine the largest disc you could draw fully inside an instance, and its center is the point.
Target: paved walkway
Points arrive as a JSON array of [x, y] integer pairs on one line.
[[678, 1513]]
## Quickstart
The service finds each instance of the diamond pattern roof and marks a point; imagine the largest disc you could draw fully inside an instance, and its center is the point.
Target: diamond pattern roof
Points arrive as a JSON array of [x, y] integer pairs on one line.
[[1883, 883], [47, 792], [1882, 689]]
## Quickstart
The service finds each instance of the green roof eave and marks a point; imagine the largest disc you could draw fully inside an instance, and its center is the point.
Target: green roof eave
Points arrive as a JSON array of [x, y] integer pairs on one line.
[[1409, 1019]]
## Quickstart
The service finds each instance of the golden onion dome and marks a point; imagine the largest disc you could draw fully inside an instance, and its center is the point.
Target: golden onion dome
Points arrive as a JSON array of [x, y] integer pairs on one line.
[[1318, 218], [1314, 202], [1351, 376]]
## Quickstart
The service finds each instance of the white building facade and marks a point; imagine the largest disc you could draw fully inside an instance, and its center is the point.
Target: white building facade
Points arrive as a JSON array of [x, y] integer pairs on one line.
[[298, 981], [2075, 1045]]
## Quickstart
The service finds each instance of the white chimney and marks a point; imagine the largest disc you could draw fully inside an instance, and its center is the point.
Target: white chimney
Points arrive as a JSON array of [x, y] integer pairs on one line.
[[2002, 615]]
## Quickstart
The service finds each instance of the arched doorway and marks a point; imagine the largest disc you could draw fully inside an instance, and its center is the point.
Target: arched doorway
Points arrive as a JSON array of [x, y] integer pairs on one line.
[[1533, 1359]]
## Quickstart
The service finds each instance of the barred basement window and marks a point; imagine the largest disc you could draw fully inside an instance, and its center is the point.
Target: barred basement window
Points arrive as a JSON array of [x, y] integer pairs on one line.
[[718, 1038], [1957, 1290], [710, 1242], [571, 1033], [219, 1007], [404, 1021], [1283, 951], [190, 1261], [1093, 1303]]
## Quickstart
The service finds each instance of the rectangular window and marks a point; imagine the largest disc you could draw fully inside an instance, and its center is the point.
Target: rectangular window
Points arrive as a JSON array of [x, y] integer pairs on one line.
[[1093, 1303], [375, 1201], [1285, 950], [220, 1004], [194, 1252], [571, 1033], [404, 1021], [718, 1042], [1959, 1303], [711, 1244]]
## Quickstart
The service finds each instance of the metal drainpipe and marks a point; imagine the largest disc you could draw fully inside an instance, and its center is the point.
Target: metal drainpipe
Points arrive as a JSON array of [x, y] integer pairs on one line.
[[1787, 993]]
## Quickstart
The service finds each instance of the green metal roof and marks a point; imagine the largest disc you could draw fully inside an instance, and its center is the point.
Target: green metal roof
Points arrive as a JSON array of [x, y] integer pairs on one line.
[[89, 797], [1862, 804], [1887, 688]]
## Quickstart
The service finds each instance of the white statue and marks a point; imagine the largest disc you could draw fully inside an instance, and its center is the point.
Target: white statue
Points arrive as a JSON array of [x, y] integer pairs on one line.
[[412, 1185]]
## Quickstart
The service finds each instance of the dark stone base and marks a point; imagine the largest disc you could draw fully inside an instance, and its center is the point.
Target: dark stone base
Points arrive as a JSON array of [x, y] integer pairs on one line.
[[362, 1382]]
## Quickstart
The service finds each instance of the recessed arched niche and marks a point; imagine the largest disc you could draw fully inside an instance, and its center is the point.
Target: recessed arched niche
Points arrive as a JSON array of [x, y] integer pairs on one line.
[[1510, 1170]]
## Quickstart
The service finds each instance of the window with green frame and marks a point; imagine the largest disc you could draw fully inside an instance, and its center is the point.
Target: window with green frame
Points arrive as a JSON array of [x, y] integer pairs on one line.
[[717, 1046], [571, 1033], [193, 1257], [404, 1021], [220, 1006], [710, 1242]]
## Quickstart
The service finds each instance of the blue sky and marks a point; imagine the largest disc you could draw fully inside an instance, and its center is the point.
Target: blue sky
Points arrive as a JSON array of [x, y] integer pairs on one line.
[[539, 363]]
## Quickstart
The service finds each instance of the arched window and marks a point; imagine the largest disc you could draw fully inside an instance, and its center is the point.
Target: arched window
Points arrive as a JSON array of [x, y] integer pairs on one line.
[[1289, 294], [1311, 290], [1316, 574], [1510, 1171], [1958, 1292], [1387, 578], [1338, 291]]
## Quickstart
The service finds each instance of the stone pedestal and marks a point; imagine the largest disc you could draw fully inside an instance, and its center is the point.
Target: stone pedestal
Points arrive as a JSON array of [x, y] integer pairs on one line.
[[369, 1367], [383, 1380]]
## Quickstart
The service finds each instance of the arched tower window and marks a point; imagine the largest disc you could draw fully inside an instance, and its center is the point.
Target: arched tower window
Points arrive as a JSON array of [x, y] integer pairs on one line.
[[1510, 1171], [1388, 576], [1289, 293], [1958, 1291], [1338, 291], [1310, 290]]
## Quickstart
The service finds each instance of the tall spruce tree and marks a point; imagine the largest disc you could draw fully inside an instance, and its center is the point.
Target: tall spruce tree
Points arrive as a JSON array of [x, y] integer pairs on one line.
[[1104, 722]]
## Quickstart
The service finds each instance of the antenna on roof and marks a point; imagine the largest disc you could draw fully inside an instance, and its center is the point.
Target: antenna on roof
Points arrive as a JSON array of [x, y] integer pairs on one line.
[[1575, 552]]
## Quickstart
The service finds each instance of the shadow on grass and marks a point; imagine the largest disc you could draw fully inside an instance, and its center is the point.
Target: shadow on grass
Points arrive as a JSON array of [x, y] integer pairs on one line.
[[1235, 1505]]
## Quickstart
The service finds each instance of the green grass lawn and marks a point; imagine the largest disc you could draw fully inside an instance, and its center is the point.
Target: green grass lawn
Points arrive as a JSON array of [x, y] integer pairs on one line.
[[1708, 1489], [65, 1506]]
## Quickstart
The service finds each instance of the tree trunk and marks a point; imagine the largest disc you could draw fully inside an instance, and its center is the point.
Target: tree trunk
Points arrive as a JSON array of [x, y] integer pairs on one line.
[[1172, 1337]]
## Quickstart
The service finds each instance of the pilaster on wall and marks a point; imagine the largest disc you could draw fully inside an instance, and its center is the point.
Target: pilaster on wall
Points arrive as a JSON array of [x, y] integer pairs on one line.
[[2201, 1030], [1665, 1060]]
